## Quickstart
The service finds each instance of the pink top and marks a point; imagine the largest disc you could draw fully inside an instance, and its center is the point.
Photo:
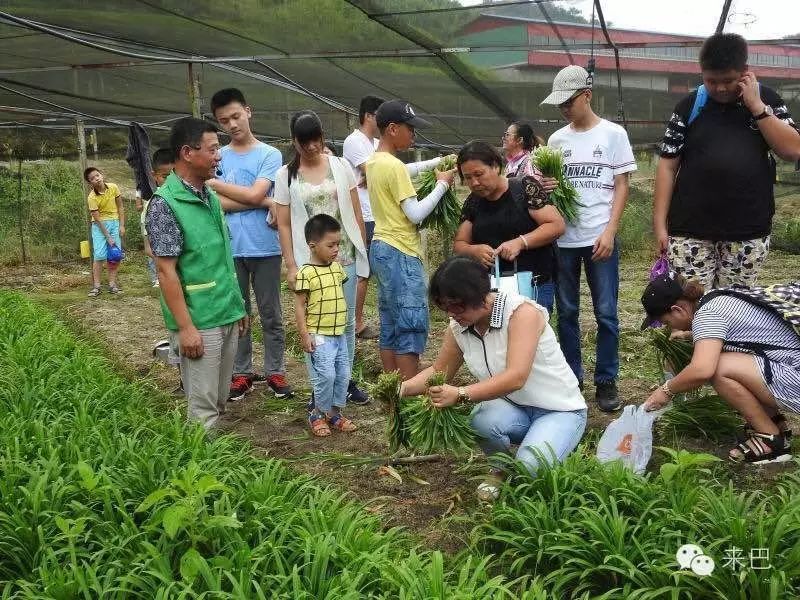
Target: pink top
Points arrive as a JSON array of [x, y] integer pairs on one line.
[[521, 166]]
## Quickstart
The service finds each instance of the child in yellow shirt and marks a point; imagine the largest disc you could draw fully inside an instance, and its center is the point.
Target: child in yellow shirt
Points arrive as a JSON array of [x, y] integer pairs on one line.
[[321, 316], [108, 227]]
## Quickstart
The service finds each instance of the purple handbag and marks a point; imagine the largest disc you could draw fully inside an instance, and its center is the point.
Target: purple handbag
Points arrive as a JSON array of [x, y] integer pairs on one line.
[[659, 268]]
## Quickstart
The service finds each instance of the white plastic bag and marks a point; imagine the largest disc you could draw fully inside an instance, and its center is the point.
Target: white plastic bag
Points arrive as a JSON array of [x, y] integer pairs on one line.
[[629, 438]]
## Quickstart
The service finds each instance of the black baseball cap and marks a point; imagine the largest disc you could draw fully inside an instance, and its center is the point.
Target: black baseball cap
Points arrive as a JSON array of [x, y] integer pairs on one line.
[[398, 111], [659, 295]]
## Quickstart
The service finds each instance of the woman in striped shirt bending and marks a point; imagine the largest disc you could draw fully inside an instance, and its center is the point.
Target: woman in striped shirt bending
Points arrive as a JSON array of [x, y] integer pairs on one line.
[[748, 353]]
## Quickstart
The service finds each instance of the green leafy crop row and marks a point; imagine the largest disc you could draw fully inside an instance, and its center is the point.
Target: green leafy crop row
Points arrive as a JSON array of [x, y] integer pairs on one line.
[[101, 496], [587, 530]]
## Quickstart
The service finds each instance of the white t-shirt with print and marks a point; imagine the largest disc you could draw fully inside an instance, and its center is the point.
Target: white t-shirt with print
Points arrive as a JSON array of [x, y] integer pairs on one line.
[[357, 149], [591, 160]]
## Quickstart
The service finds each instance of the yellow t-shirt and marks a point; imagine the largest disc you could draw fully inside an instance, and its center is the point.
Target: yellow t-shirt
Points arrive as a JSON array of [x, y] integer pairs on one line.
[[105, 203], [326, 308], [389, 184]]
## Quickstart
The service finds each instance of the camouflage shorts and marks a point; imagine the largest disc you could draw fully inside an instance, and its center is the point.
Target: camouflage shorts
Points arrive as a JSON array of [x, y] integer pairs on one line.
[[718, 264]]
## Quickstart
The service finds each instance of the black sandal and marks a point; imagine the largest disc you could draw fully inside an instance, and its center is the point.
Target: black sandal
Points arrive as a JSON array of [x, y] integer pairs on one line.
[[780, 421], [762, 449]]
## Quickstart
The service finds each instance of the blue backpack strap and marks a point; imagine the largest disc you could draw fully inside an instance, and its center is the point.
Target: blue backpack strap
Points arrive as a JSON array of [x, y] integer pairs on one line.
[[699, 102]]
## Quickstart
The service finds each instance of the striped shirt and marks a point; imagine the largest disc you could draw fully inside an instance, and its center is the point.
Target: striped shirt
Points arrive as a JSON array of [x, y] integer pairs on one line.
[[735, 320], [326, 308]]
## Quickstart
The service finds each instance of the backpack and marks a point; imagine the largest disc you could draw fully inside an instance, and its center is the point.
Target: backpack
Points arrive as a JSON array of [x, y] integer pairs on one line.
[[782, 299]]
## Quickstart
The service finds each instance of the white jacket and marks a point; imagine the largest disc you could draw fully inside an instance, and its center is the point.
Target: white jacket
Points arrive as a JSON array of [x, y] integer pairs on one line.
[[299, 215]]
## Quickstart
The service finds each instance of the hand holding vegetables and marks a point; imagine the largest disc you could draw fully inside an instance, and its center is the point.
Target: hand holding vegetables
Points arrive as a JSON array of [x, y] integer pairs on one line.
[[550, 162], [446, 176], [446, 216], [443, 396]]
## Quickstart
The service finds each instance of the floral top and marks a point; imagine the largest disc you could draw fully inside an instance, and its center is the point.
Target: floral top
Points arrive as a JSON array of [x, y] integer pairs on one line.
[[323, 198]]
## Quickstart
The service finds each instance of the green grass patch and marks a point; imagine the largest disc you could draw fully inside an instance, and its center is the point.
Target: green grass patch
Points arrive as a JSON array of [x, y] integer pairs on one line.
[[102, 496]]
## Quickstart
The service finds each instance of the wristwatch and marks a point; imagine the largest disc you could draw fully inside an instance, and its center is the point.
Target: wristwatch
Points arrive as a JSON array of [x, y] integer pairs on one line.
[[767, 112], [666, 390], [463, 396]]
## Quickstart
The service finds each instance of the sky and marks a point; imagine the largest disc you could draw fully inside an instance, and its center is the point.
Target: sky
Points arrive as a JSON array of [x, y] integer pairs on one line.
[[754, 19]]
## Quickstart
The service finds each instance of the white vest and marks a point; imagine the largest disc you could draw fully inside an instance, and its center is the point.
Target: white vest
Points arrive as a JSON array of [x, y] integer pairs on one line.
[[551, 384]]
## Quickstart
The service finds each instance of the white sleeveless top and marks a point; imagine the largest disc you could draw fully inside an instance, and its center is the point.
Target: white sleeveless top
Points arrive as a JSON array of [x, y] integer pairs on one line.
[[551, 384]]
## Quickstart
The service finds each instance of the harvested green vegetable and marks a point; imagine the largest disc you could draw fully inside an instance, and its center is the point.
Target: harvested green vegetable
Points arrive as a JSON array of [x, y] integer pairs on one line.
[[550, 161], [387, 390], [675, 354], [446, 215], [432, 429], [708, 417]]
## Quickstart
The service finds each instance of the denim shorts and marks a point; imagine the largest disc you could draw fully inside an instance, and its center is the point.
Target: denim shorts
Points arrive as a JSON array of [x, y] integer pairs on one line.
[[402, 299], [99, 242]]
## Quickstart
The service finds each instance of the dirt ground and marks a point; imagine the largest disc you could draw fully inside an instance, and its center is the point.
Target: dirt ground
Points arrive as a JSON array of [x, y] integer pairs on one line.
[[435, 500]]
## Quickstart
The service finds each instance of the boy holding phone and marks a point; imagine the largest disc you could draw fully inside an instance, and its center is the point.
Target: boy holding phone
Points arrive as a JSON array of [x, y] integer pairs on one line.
[[714, 201]]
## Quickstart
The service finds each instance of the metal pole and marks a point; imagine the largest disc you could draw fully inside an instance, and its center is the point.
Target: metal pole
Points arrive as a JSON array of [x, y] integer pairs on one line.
[[723, 16], [79, 125], [194, 91]]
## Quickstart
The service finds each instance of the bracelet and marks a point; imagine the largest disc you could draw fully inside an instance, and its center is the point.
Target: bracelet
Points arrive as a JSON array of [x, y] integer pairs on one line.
[[524, 241], [665, 388]]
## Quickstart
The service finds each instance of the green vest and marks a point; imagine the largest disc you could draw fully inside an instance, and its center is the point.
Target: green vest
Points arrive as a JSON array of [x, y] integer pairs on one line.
[[205, 266]]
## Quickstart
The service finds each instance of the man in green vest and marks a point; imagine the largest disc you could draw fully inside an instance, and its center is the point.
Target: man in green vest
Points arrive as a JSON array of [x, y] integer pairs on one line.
[[200, 297]]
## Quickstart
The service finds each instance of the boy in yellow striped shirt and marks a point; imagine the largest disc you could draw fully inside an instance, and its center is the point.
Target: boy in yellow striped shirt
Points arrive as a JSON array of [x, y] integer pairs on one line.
[[321, 315]]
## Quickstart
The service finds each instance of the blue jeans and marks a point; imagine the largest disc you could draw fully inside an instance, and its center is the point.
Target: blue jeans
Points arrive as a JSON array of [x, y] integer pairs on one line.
[[329, 371], [402, 299], [151, 269], [500, 423], [603, 280], [545, 294]]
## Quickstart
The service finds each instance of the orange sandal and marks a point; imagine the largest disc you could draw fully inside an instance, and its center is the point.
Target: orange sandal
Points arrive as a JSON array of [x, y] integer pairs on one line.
[[341, 423], [319, 427]]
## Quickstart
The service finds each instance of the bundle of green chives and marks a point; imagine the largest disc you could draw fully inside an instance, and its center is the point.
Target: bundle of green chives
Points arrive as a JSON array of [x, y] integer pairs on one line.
[[446, 215], [674, 354], [387, 390], [432, 429], [550, 161]]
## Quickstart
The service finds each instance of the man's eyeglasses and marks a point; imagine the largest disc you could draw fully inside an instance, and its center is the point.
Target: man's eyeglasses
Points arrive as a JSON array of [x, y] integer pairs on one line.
[[214, 149], [570, 102]]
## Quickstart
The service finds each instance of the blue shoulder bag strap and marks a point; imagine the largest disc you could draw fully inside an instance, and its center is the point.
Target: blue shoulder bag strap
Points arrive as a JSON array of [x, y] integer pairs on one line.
[[699, 103]]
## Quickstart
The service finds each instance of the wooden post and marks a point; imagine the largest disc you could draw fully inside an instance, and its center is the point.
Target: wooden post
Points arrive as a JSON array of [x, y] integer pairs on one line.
[[93, 138], [20, 210], [194, 91], [82, 165]]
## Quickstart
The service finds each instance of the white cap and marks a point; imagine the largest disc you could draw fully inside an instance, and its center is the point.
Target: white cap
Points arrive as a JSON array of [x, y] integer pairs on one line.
[[568, 81]]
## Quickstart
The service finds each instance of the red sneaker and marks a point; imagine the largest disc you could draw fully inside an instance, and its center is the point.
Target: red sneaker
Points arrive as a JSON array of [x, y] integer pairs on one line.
[[278, 385], [240, 385]]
